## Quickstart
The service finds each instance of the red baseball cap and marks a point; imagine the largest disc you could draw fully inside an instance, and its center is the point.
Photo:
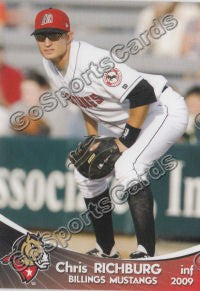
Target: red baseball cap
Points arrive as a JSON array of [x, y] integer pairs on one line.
[[51, 20]]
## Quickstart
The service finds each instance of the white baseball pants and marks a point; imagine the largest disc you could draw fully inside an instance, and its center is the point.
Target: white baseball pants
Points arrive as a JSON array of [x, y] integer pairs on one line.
[[165, 123]]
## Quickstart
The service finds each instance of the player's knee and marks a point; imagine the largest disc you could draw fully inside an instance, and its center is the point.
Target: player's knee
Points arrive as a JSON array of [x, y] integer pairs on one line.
[[125, 172], [131, 174], [122, 169]]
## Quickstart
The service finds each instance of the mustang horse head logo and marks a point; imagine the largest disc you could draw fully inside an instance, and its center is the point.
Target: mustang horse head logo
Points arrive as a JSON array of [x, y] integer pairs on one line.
[[27, 257]]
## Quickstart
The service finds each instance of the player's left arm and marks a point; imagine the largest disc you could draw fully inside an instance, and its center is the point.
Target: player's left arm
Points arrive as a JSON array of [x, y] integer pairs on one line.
[[136, 119], [139, 98], [137, 116]]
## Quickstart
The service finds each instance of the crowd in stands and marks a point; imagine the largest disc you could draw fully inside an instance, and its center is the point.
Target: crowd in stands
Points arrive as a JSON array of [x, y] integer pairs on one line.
[[184, 40], [19, 90], [192, 98], [13, 15]]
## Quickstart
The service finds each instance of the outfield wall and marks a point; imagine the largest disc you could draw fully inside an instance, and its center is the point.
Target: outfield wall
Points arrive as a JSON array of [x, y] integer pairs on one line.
[[38, 191]]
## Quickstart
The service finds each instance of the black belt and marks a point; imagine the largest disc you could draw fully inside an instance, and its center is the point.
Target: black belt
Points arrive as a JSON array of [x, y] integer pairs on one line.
[[165, 87]]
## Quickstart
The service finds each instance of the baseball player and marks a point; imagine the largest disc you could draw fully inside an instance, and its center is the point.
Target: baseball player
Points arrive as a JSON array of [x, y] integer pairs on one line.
[[145, 115]]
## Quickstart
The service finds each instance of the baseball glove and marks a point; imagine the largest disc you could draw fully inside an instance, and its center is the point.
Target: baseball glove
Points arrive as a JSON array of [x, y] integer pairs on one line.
[[97, 163]]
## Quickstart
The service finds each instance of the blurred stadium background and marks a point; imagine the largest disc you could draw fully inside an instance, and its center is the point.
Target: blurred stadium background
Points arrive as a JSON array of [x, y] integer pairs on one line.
[[36, 190]]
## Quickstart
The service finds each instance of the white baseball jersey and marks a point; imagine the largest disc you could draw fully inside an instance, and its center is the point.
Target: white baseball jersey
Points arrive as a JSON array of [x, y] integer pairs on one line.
[[101, 95], [104, 99]]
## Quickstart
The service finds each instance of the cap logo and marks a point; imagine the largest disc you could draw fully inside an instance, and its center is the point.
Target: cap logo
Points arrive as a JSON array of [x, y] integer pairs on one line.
[[47, 18]]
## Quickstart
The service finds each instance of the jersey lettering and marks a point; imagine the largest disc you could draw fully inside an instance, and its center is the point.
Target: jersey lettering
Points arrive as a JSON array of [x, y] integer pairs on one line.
[[90, 101]]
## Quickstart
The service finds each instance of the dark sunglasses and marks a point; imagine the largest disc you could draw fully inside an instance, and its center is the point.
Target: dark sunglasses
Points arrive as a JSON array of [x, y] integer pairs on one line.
[[51, 36]]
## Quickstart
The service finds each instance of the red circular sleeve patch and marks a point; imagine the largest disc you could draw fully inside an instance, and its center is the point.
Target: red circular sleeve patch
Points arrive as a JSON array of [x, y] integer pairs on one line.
[[112, 78]]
